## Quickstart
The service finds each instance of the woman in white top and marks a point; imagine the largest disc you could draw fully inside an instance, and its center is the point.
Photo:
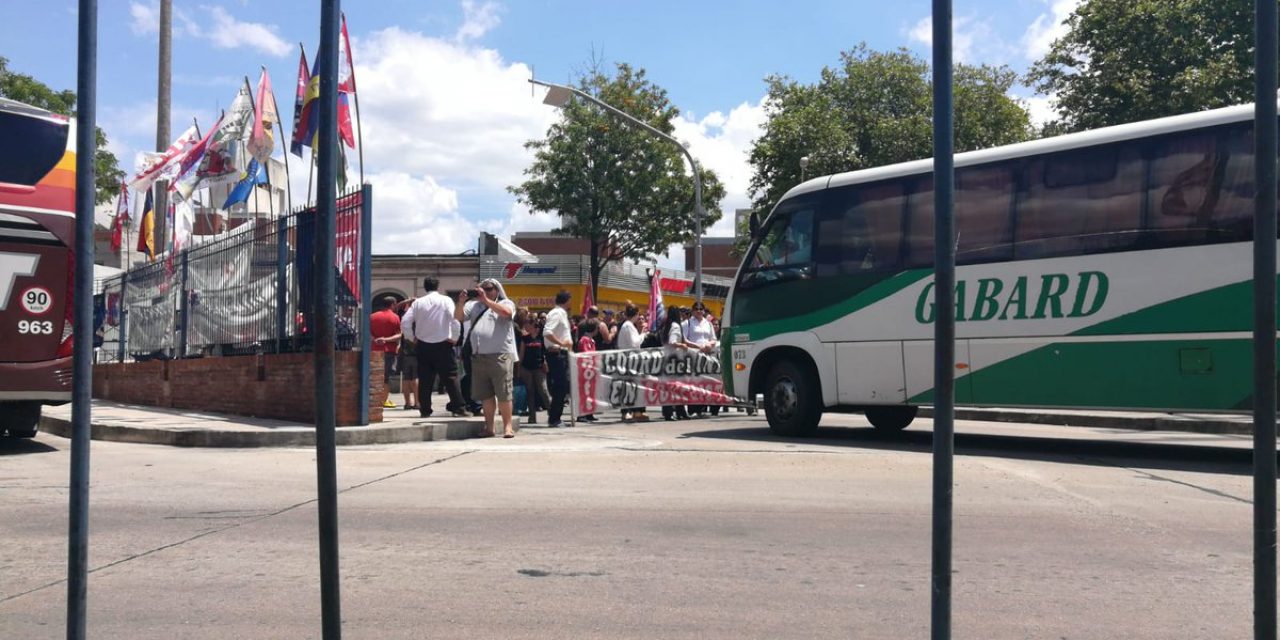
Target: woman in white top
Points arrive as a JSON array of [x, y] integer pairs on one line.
[[629, 338]]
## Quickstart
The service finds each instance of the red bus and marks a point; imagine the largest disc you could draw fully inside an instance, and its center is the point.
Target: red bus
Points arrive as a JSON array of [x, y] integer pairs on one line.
[[37, 233]]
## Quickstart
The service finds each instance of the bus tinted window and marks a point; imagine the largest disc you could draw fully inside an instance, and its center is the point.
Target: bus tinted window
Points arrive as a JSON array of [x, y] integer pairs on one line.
[[1081, 202], [1201, 188], [41, 142], [861, 229], [983, 216]]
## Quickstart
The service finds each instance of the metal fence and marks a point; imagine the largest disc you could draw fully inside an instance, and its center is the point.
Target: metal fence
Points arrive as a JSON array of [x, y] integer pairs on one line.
[[246, 292]]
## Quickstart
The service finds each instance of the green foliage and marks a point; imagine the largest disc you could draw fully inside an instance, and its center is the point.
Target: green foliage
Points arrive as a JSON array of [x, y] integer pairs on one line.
[[875, 109], [1128, 60], [620, 187], [24, 88]]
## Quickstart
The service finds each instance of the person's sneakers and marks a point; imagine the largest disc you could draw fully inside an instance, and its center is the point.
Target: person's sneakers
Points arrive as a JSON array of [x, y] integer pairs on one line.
[[556, 425], [587, 419], [463, 414], [388, 404]]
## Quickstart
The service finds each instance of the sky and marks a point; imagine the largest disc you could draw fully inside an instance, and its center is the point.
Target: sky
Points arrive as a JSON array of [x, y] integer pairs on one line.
[[445, 103]]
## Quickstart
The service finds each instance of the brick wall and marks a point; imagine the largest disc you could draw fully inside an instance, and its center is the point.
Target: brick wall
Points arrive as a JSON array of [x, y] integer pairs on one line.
[[280, 386]]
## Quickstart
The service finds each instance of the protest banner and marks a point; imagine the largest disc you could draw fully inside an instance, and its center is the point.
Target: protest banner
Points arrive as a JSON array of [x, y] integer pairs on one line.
[[644, 378]]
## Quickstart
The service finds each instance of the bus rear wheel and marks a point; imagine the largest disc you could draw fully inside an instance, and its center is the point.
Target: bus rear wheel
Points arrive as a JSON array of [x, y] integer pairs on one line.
[[792, 400], [20, 419], [891, 419]]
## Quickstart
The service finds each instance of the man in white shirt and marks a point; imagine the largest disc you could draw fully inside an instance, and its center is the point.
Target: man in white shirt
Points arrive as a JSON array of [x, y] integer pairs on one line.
[[430, 319], [629, 338], [558, 341]]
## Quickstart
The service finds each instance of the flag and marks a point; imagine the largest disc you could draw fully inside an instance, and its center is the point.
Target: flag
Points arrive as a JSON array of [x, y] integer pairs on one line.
[[162, 165], [254, 175], [311, 113], [146, 229], [184, 222], [656, 309], [300, 127], [188, 177], [262, 141], [219, 165], [122, 218], [588, 300], [346, 68]]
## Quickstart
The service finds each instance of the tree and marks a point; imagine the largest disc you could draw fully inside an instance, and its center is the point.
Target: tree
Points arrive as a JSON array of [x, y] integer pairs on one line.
[[1128, 60], [875, 109], [26, 89], [621, 188]]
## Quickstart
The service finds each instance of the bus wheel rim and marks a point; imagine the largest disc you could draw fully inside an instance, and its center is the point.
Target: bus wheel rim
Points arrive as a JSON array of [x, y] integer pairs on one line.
[[785, 398]]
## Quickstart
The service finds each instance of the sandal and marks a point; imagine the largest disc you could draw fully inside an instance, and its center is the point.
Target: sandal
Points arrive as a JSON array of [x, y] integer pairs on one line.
[[508, 435]]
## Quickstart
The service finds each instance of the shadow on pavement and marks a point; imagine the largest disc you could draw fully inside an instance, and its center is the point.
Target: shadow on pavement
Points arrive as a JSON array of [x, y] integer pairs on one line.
[[21, 446], [1152, 455]]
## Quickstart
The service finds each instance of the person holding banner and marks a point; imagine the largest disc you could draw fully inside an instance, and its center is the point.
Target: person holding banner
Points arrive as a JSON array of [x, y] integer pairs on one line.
[[493, 349], [701, 335], [673, 340], [629, 338]]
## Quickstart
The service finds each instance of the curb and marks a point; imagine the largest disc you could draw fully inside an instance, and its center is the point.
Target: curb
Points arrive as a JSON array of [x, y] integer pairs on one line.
[[1134, 423], [281, 437]]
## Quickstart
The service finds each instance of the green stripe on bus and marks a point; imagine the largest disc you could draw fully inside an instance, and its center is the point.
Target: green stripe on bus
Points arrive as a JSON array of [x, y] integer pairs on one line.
[[1153, 374], [764, 303]]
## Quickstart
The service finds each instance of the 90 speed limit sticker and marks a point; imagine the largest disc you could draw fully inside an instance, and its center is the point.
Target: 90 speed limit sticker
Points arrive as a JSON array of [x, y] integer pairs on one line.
[[36, 300]]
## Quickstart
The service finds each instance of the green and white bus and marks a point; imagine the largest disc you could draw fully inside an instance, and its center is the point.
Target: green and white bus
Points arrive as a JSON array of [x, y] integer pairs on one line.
[[1105, 269]]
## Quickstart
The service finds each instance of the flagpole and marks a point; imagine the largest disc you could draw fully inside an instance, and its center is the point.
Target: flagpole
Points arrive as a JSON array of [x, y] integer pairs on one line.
[[288, 182], [356, 96]]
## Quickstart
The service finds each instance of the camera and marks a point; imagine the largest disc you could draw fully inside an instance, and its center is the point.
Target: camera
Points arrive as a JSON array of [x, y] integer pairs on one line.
[[473, 293]]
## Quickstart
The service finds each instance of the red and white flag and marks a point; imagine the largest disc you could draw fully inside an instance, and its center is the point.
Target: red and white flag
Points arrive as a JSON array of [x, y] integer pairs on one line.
[[164, 165], [346, 68], [656, 308]]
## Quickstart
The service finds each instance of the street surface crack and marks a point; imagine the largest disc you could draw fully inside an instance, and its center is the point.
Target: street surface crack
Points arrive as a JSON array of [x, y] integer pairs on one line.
[[233, 526]]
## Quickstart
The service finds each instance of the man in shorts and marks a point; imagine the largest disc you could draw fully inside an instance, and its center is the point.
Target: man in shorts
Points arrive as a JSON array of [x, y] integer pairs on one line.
[[492, 336]]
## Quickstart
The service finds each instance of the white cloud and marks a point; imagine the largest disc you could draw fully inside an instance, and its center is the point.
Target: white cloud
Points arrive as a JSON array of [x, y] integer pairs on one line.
[[226, 32], [1047, 27], [972, 40], [459, 114], [417, 215], [1041, 109], [478, 19], [144, 18], [722, 143]]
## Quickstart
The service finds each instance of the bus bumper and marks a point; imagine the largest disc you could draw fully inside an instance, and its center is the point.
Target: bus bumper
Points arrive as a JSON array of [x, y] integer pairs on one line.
[[47, 381]]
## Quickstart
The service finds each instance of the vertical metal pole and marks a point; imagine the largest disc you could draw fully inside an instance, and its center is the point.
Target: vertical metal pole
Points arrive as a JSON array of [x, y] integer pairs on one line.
[[282, 281], [366, 295], [944, 329], [1264, 323], [326, 215], [184, 307], [123, 332], [82, 321], [697, 241]]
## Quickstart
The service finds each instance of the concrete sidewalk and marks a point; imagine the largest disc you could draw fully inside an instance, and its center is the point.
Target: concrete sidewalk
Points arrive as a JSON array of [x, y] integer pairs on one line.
[[175, 427], [154, 425]]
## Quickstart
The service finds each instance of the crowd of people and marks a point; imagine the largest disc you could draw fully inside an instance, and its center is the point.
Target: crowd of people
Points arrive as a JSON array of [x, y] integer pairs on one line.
[[493, 358]]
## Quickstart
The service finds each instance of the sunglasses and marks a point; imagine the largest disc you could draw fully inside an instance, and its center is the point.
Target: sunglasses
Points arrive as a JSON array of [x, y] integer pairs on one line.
[[489, 288]]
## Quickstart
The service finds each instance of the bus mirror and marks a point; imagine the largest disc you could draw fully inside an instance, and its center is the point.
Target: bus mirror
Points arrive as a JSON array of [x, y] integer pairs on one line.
[[754, 224]]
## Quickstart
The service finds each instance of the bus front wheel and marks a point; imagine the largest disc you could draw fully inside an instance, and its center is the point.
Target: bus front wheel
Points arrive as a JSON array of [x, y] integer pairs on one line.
[[891, 419], [792, 400]]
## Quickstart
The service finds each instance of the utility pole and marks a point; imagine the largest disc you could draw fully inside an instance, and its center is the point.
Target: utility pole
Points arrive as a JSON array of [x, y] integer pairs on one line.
[[163, 135]]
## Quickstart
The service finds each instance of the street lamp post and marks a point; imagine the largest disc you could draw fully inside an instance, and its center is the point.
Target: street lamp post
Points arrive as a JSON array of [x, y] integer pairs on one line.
[[559, 95], [804, 164]]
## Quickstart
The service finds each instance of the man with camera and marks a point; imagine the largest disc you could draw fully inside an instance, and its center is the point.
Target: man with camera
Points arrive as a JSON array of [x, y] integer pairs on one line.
[[492, 337]]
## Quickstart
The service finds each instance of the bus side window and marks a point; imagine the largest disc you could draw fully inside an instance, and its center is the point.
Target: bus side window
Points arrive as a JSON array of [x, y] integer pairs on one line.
[[984, 214], [1201, 188], [861, 231], [1080, 202]]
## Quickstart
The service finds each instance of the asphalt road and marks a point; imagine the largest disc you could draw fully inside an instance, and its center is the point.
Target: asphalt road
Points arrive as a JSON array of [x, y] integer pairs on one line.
[[704, 529]]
